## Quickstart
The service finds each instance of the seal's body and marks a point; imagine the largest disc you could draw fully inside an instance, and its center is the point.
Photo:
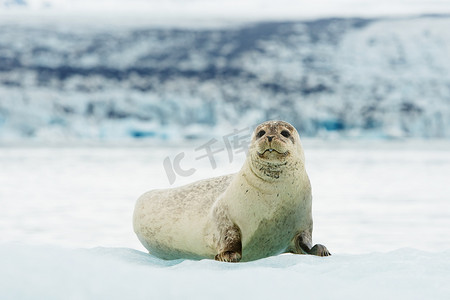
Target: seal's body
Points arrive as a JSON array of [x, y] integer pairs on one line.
[[263, 210]]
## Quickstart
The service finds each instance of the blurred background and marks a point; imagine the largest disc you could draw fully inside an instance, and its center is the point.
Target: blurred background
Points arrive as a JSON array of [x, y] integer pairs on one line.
[[187, 69], [98, 98]]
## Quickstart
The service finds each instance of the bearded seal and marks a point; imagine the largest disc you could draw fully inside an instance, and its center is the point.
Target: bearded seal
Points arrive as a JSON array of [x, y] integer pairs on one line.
[[263, 210]]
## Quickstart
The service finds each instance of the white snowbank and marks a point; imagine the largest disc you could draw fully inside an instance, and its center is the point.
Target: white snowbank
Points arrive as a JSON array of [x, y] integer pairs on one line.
[[176, 11], [367, 196], [32, 272], [390, 195]]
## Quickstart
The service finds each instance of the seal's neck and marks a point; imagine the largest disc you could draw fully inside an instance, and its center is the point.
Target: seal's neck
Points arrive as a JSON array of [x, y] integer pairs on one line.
[[268, 171], [275, 171]]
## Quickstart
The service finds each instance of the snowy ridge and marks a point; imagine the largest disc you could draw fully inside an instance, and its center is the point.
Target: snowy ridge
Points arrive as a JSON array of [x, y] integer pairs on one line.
[[353, 77], [117, 273], [234, 9]]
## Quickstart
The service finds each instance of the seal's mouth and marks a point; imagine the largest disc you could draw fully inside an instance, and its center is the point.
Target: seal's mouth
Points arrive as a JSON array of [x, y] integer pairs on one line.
[[271, 150]]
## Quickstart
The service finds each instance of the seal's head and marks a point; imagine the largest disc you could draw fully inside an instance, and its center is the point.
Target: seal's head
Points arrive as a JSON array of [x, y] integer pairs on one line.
[[275, 144]]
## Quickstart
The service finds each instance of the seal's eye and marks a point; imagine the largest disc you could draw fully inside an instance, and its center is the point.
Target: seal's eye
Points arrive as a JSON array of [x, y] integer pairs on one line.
[[285, 133], [260, 133]]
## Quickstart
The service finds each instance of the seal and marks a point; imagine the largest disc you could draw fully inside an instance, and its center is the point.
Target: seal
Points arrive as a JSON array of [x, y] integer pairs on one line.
[[263, 210]]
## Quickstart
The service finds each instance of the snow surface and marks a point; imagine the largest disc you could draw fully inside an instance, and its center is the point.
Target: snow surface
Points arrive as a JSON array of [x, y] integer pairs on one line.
[[381, 207], [33, 272], [367, 196]]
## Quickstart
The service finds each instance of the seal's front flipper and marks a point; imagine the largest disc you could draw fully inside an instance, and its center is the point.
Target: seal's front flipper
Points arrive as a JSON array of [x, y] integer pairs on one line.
[[226, 238], [303, 245], [228, 256], [229, 245], [319, 250]]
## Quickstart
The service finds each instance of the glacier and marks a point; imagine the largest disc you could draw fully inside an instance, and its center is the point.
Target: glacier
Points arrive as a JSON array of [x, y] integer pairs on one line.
[[380, 77]]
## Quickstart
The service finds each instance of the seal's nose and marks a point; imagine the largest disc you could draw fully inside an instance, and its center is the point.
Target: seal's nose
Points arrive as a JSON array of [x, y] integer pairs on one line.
[[270, 137]]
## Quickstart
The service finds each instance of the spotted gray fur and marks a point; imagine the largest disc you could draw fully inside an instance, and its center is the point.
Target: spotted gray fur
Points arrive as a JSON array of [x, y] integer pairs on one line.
[[263, 210]]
